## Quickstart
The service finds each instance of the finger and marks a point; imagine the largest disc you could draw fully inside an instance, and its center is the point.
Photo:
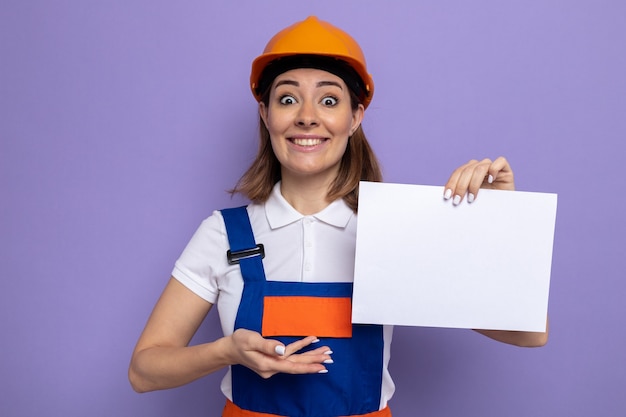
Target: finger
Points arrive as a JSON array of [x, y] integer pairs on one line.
[[268, 366], [319, 355], [300, 344], [478, 178], [463, 181], [277, 348], [501, 174], [297, 367], [452, 182], [325, 350]]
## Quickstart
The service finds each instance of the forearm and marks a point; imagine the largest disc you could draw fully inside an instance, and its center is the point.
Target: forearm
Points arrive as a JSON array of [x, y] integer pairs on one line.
[[159, 367], [523, 339]]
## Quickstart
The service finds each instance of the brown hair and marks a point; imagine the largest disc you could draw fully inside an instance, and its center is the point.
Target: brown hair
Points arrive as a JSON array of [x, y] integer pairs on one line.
[[358, 163]]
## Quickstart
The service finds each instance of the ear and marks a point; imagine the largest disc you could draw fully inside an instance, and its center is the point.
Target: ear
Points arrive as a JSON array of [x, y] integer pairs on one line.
[[357, 118], [263, 112]]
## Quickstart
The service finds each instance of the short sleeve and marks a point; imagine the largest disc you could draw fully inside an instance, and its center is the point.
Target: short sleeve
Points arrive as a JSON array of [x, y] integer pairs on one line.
[[203, 260]]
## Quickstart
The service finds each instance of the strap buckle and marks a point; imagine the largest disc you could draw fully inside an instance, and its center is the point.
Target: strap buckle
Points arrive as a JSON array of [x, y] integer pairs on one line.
[[234, 257]]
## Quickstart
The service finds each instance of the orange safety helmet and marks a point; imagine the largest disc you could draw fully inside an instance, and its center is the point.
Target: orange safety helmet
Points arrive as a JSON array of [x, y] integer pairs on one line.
[[313, 37]]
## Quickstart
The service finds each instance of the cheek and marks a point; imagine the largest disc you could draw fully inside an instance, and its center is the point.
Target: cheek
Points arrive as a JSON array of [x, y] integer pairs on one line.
[[279, 147], [276, 121], [346, 124]]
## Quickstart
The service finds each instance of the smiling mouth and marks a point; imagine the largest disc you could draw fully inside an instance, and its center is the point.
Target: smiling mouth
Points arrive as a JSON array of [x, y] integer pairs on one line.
[[307, 141]]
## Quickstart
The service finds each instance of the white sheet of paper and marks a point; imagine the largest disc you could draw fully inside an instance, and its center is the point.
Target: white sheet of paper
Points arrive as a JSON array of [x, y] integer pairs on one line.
[[420, 261]]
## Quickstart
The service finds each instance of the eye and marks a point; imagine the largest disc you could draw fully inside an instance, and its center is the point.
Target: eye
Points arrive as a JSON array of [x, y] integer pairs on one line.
[[329, 101], [286, 99]]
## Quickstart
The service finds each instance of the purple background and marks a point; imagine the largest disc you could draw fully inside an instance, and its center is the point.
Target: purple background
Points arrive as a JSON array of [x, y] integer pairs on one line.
[[123, 122]]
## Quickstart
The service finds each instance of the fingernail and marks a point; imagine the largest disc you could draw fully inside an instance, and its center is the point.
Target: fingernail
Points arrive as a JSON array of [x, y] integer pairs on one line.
[[457, 200], [490, 179], [329, 361], [470, 198], [315, 340], [447, 194], [328, 352], [323, 371], [280, 350]]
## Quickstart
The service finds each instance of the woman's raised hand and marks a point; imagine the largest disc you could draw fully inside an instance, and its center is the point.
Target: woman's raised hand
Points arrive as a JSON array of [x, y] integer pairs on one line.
[[470, 177], [268, 357]]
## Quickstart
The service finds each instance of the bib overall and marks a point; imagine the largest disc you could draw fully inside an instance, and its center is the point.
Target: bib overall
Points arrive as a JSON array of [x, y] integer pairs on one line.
[[288, 311]]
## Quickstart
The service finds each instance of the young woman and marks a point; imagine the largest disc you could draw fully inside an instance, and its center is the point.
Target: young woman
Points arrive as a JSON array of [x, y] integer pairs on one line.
[[280, 270]]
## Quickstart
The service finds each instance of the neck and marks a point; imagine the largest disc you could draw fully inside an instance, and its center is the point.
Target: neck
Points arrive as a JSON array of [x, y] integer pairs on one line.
[[305, 195]]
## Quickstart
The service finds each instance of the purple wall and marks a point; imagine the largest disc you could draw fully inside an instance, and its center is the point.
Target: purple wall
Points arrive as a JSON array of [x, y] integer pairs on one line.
[[122, 122]]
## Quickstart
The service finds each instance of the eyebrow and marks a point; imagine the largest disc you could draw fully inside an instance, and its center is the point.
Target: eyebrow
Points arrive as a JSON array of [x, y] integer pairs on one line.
[[297, 84], [324, 83]]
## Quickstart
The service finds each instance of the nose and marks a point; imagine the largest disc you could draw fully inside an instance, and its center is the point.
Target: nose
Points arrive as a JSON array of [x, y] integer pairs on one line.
[[307, 117]]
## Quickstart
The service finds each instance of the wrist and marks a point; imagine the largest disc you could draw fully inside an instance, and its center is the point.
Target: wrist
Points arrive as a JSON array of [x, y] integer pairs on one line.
[[223, 351]]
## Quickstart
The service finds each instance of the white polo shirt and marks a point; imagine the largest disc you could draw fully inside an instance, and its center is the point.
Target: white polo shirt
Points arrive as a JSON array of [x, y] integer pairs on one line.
[[316, 248]]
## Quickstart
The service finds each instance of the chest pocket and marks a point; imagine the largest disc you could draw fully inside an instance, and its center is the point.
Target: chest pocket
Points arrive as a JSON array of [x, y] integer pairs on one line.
[[319, 309]]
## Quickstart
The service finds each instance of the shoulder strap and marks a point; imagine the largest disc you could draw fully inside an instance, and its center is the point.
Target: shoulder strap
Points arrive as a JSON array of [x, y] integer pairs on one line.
[[243, 248]]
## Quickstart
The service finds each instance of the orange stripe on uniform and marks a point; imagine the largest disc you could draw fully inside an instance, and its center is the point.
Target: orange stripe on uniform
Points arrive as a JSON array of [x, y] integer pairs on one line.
[[307, 316], [231, 410]]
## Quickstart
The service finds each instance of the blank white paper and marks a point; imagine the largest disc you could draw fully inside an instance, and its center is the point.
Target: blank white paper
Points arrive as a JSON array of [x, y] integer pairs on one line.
[[421, 261]]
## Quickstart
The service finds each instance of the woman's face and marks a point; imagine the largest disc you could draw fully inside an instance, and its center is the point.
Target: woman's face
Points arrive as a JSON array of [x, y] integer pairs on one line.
[[309, 118]]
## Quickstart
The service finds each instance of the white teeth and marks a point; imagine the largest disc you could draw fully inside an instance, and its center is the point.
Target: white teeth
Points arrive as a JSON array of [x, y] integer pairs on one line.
[[307, 142]]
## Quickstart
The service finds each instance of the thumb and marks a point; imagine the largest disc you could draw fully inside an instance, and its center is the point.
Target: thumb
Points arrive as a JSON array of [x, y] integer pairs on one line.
[[279, 349], [267, 346]]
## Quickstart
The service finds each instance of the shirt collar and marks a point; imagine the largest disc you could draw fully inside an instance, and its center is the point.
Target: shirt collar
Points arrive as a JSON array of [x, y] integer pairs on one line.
[[280, 213]]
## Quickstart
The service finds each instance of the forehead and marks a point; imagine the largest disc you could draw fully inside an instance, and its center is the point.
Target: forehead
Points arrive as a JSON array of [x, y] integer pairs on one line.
[[309, 75]]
